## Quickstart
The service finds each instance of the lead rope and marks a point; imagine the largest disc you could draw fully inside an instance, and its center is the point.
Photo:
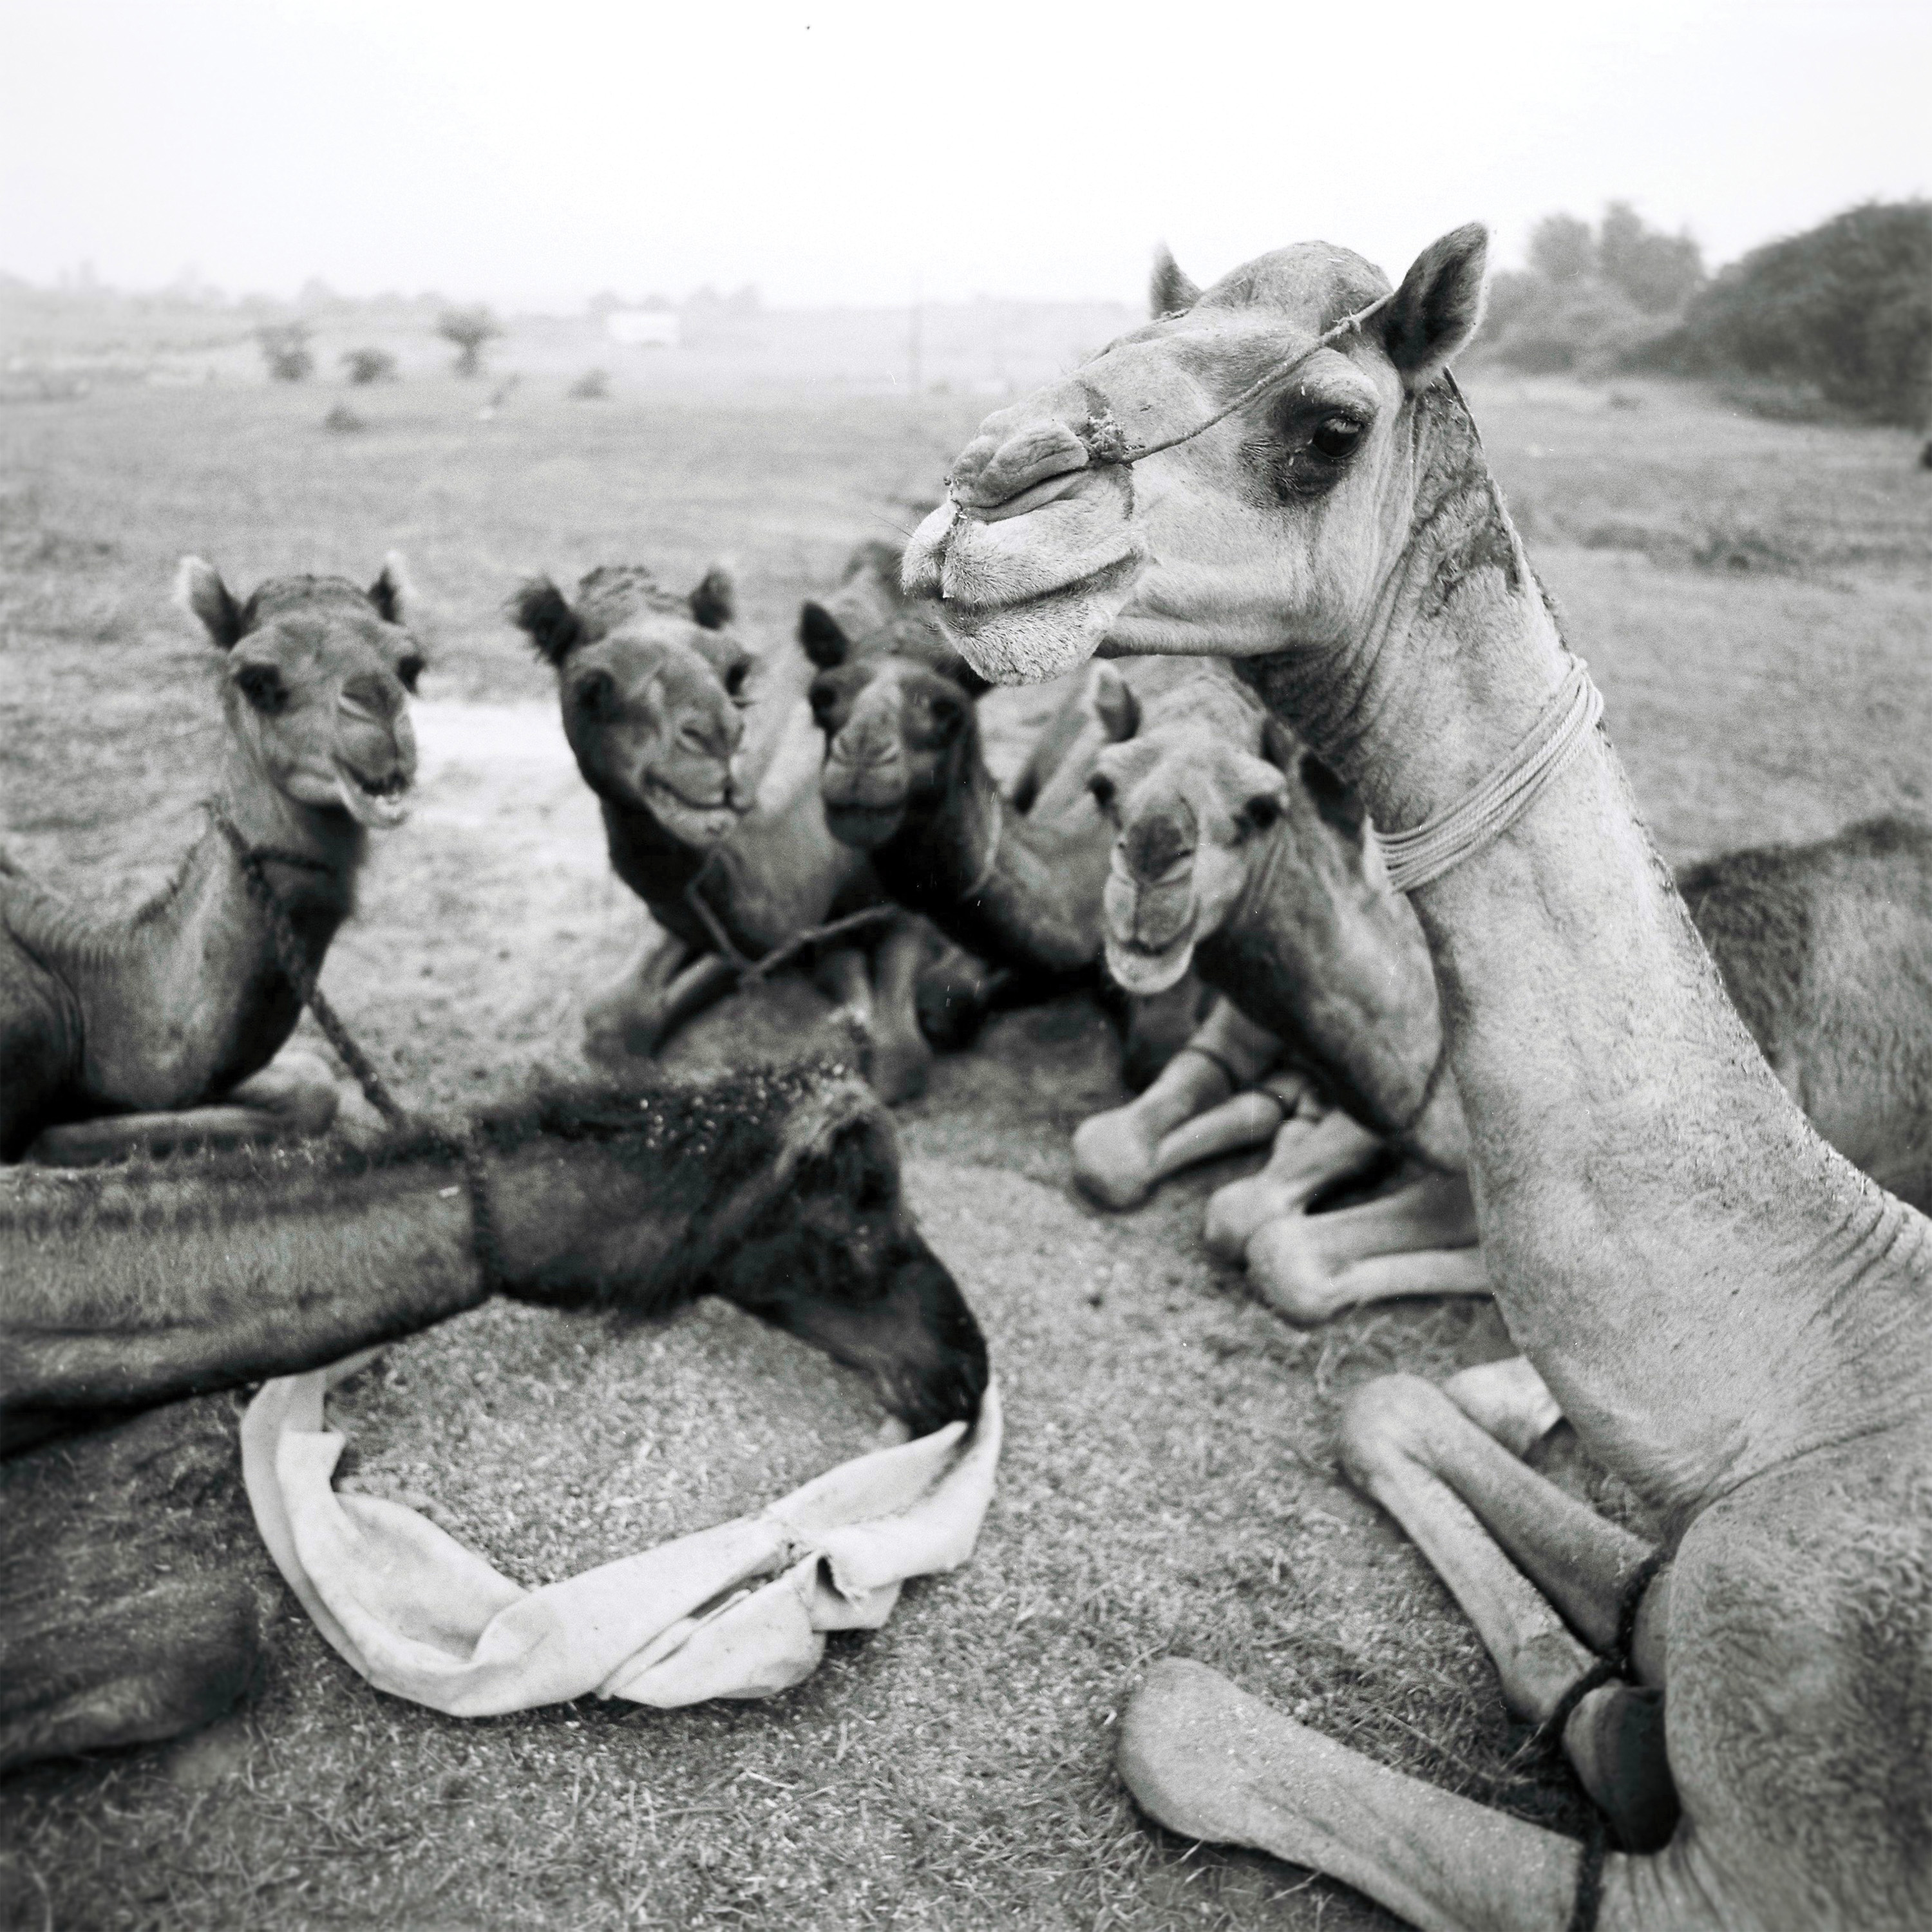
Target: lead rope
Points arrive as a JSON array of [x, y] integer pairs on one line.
[[1414, 859], [750, 971], [468, 1151]]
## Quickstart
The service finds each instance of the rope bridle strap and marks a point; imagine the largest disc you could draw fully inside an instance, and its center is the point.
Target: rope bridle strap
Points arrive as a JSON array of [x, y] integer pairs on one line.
[[467, 1151], [1414, 859]]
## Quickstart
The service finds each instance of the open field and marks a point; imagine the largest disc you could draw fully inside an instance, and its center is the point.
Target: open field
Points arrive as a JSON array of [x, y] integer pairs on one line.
[[1755, 600]]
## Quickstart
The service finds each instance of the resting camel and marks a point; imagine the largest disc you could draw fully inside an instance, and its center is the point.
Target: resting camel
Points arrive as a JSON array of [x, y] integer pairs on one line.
[[135, 1599], [1236, 849], [121, 1033], [704, 759], [1734, 1318], [1014, 881]]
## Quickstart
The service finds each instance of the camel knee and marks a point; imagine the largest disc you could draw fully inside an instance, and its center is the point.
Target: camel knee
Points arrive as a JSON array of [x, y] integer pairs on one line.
[[1294, 1275], [899, 1066], [1616, 1740], [1113, 1156], [1237, 1212], [1385, 1422], [297, 1092]]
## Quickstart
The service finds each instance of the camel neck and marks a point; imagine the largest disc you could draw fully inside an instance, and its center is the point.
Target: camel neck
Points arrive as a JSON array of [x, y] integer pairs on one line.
[[1650, 1201], [995, 880]]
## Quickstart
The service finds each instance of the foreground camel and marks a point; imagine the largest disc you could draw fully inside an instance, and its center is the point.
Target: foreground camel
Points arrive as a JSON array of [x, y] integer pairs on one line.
[[705, 761], [1735, 1319], [156, 1030], [135, 1600], [1821, 948], [1017, 881]]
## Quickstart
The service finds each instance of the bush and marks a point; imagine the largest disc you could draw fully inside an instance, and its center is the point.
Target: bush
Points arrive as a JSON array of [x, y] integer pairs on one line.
[[369, 365], [468, 328], [592, 386], [284, 346], [1846, 306]]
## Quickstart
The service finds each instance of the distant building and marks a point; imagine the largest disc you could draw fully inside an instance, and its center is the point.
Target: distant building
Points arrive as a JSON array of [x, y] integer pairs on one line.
[[643, 327]]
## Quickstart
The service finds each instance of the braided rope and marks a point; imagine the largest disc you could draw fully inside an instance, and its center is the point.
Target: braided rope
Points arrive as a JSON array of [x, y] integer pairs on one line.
[[468, 1151], [750, 971], [1414, 859]]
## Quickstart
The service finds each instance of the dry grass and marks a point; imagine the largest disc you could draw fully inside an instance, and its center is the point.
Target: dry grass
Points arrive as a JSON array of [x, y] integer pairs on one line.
[[1168, 1483]]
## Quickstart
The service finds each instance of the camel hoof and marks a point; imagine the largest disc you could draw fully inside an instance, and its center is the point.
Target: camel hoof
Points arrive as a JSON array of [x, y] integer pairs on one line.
[[1236, 1212], [1290, 1276], [1113, 1159]]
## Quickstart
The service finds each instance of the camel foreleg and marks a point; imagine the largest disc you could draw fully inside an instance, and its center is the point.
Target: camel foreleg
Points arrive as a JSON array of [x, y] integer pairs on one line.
[[1205, 1758], [901, 1061], [1421, 1240], [293, 1098], [1194, 1110], [664, 988], [1311, 1152], [1507, 1541]]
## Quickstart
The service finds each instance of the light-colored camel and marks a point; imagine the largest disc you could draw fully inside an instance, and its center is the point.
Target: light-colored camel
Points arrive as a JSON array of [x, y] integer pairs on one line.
[[135, 1598], [1016, 880], [705, 760], [120, 1032], [1734, 1318], [1826, 950]]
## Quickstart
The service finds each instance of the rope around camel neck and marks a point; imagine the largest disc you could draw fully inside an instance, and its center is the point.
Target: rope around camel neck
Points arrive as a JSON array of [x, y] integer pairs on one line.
[[1415, 858], [468, 1151]]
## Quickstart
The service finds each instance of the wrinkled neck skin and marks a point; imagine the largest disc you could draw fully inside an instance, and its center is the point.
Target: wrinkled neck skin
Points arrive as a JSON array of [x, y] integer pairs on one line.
[[189, 997], [1020, 893]]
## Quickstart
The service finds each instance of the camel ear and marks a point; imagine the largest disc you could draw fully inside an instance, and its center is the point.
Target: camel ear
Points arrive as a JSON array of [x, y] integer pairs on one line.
[[822, 636], [1438, 306], [1170, 291], [200, 592], [392, 593], [538, 609], [1115, 706], [715, 602]]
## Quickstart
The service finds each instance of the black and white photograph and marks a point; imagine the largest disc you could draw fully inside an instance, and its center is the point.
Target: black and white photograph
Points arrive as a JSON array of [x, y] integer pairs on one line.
[[965, 968]]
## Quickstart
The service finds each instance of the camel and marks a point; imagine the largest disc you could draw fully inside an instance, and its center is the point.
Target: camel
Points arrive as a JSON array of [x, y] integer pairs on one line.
[[704, 759], [1821, 947], [158, 1030], [135, 1600], [1731, 1316], [1015, 881]]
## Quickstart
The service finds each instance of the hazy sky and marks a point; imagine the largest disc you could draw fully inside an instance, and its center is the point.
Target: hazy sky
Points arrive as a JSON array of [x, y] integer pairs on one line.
[[531, 151]]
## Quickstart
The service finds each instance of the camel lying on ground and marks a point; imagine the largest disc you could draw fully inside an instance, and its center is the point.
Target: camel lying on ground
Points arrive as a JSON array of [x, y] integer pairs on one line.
[[135, 1599], [1255, 868], [1016, 880], [1735, 1320], [118, 1033], [704, 759]]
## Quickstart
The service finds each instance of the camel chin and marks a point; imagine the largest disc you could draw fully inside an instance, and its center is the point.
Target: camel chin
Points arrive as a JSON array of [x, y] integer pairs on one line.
[[1142, 973], [864, 827], [691, 824]]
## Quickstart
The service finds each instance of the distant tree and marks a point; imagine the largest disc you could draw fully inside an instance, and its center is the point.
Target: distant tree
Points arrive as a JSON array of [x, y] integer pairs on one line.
[[592, 386], [1562, 250], [1846, 306], [365, 366], [284, 346], [468, 328], [1659, 272]]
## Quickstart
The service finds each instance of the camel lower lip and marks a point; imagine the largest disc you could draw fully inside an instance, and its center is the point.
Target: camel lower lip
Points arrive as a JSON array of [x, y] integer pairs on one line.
[[968, 618], [1145, 970], [865, 826], [383, 806], [723, 802]]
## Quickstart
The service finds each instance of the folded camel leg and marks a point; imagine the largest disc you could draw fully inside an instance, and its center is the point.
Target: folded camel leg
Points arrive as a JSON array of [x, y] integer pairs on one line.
[[293, 1097], [902, 1059], [663, 988], [146, 1613], [1311, 1152], [1534, 1570], [1421, 1240], [1205, 1760], [1193, 1112]]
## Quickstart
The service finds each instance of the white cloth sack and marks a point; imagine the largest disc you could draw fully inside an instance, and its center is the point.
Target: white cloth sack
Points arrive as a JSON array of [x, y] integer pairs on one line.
[[740, 1610]]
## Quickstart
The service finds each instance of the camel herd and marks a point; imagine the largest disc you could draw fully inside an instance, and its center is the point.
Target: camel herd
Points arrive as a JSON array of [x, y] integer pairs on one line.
[[1679, 1128]]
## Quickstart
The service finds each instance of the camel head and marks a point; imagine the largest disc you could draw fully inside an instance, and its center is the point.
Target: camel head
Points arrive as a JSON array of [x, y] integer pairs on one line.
[[319, 678], [895, 701], [1194, 802], [654, 688], [1275, 529]]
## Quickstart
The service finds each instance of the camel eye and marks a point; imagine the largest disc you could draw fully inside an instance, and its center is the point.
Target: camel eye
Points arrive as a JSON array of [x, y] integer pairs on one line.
[[596, 695], [408, 670], [1336, 438], [1261, 811], [734, 680], [948, 715], [262, 685]]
